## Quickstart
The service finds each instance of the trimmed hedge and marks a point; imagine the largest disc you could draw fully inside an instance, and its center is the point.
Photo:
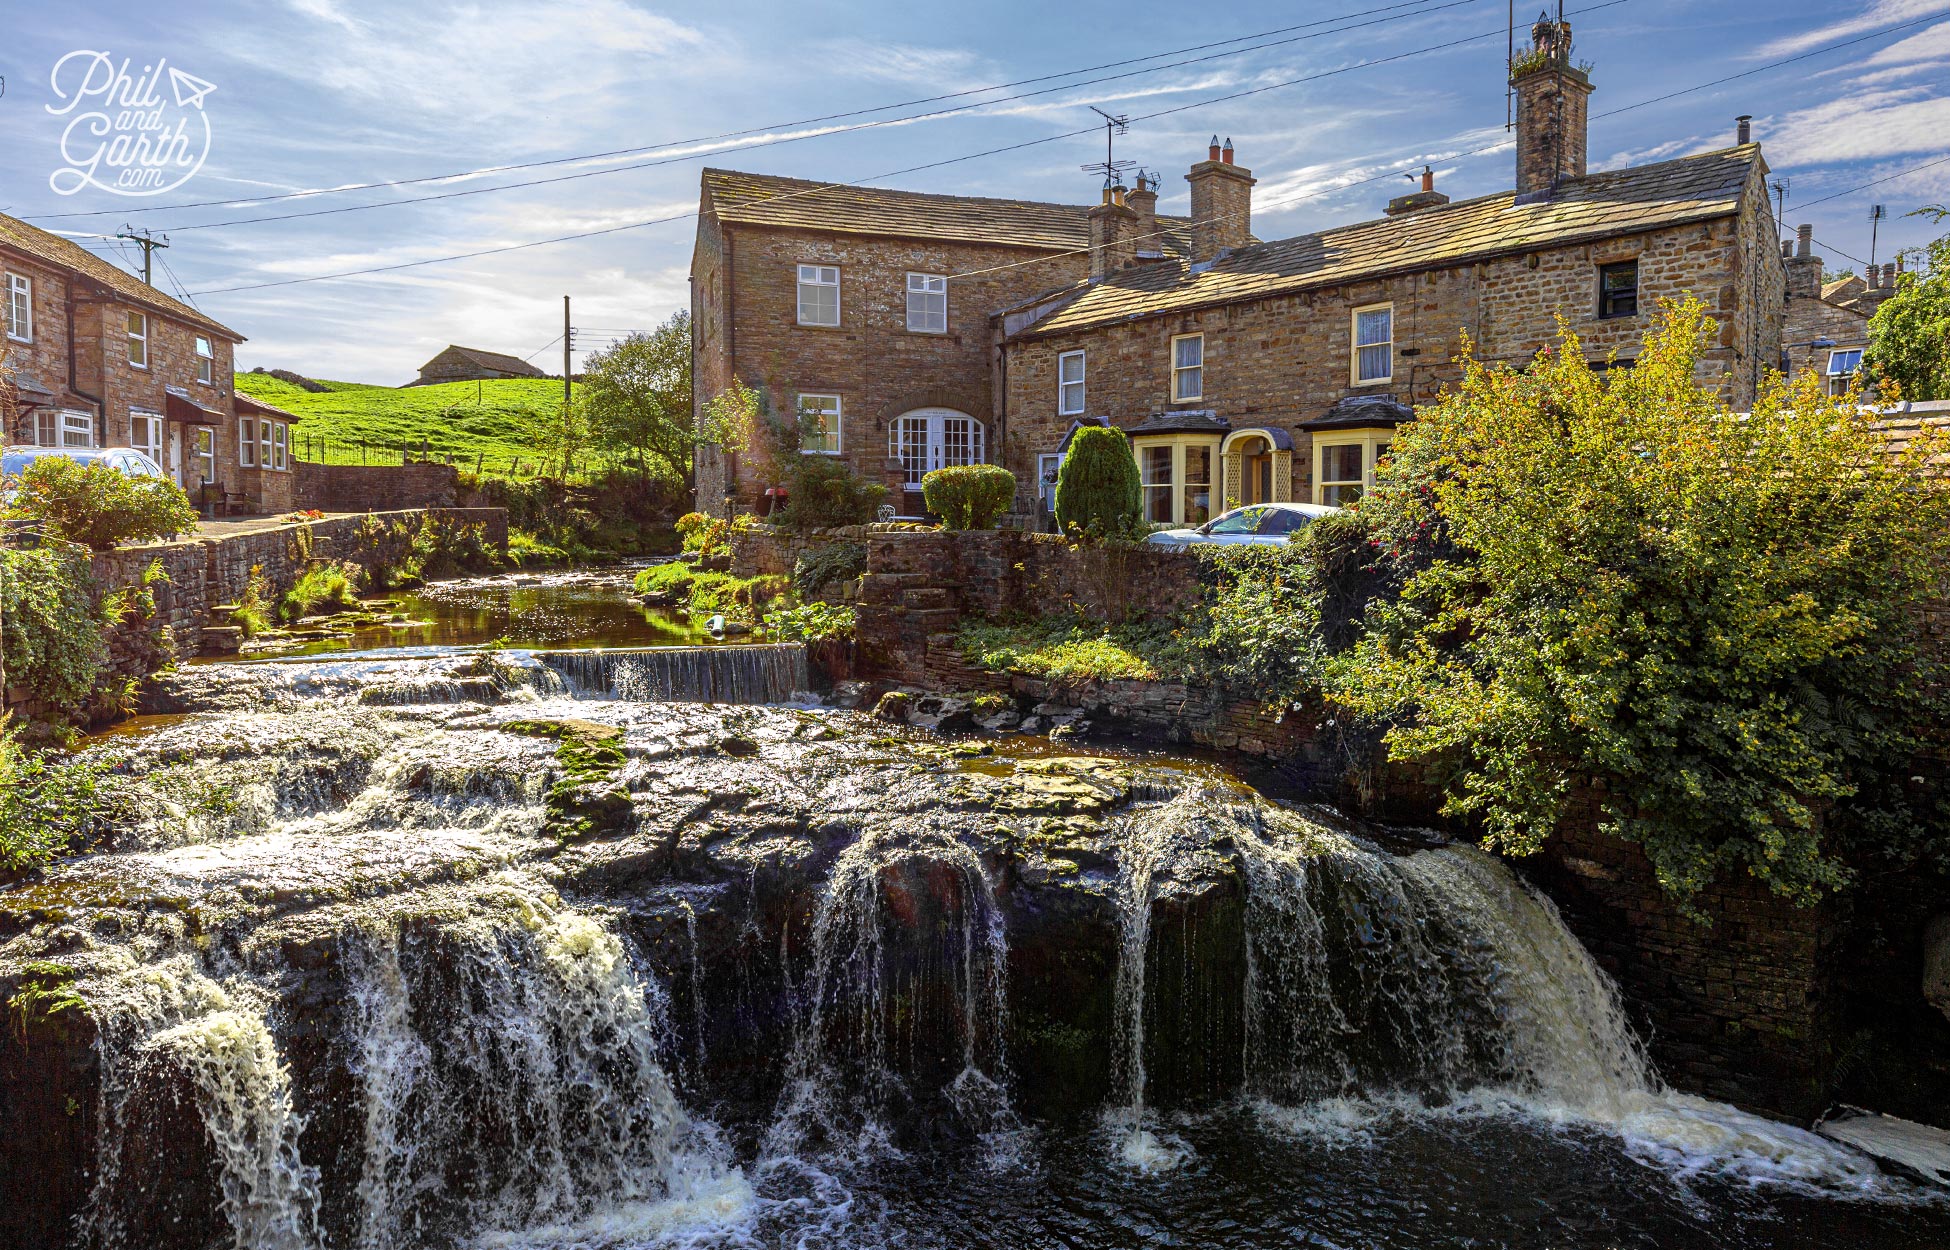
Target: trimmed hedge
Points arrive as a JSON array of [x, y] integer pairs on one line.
[[1097, 490], [969, 496]]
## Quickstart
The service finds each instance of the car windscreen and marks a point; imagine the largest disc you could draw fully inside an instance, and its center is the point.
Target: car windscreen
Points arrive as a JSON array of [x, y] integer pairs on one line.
[[1282, 521], [1244, 521]]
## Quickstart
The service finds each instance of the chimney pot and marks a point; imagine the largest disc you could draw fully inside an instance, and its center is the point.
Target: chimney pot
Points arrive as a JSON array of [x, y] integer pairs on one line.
[[1870, 277], [1889, 275], [1743, 128], [1428, 178], [1804, 239], [1787, 249], [1212, 154], [1225, 153]]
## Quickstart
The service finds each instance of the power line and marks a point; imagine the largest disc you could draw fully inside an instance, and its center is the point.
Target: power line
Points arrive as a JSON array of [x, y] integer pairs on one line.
[[1829, 247], [785, 139], [1876, 183], [807, 121], [913, 169], [1397, 168]]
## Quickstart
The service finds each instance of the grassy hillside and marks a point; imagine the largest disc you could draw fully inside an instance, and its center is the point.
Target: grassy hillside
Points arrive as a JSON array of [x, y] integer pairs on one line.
[[500, 421]]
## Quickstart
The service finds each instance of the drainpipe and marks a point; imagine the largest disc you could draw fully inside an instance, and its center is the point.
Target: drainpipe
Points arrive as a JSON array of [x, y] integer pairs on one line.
[[729, 459]]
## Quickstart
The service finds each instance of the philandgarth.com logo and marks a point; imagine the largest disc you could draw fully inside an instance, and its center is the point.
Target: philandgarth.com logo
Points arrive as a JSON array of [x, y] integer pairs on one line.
[[123, 133]]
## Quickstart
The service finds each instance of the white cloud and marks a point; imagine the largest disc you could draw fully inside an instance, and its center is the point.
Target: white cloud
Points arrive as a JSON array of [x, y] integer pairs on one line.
[[942, 69], [1878, 14], [1863, 125]]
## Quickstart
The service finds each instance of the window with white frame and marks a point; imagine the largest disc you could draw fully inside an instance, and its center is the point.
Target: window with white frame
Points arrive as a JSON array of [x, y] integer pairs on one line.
[[1187, 367], [819, 295], [927, 303], [246, 442], [1374, 344], [931, 439], [206, 454], [819, 424], [20, 308], [206, 361], [138, 324], [281, 445], [1196, 489], [1069, 384], [146, 434], [77, 429], [1842, 364], [47, 428], [264, 443]]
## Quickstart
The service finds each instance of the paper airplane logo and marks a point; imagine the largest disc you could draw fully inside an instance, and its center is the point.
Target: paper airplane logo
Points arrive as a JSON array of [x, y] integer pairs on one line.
[[189, 89]]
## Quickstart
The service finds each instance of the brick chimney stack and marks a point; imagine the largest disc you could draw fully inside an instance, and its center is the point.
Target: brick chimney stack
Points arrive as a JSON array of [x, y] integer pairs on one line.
[[1113, 234], [1552, 105], [1889, 275], [1222, 202], [1804, 267], [1143, 200], [1427, 197]]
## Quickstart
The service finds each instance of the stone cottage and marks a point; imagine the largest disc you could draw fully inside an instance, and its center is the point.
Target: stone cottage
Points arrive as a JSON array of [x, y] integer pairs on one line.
[[473, 364], [102, 359], [835, 301], [1250, 371], [1826, 326]]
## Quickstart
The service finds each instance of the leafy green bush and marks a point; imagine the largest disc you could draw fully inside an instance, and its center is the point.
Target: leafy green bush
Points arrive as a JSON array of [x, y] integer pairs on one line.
[[99, 506], [810, 622], [969, 496], [822, 492], [1097, 490], [50, 626], [672, 580], [825, 565], [1065, 648], [1607, 577], [47, 803], [527, 550], [743, 597], [1259, 635], [253, 612], [701, 532], [321, 586]]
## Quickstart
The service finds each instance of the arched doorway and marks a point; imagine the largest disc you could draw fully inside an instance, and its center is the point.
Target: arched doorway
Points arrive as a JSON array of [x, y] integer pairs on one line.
[[1258, 466], [924, 439]]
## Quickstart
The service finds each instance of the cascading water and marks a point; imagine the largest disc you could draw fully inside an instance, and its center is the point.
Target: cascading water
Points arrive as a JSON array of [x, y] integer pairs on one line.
[[905, 997], [766, 673]]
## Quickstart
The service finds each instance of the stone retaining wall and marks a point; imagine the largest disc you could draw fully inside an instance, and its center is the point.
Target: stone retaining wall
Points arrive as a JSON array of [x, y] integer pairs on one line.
[[375, 488], [201, 573]]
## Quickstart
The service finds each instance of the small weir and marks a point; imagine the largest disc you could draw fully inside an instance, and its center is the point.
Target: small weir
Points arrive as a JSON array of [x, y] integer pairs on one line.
[[760, 673]]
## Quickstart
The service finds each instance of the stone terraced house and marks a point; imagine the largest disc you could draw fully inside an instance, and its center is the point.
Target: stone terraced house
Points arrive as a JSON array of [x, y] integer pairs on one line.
[[101, 359], [1248, 371], [1827, 323]]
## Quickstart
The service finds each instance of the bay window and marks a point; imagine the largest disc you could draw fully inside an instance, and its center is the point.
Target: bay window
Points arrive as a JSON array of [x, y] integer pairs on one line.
[[1344, 464], [1154, 469], [77, 429], [246, 442]]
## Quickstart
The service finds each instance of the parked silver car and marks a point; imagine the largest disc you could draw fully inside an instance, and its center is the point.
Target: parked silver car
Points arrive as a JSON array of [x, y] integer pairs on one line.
[[1269, 523]]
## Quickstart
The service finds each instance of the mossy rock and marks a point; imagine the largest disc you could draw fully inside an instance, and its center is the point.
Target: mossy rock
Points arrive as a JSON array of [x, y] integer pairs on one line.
[[1065, 785], [588, 751]]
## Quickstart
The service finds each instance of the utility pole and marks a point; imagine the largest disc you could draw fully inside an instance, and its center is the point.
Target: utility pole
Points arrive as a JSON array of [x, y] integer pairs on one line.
[[1876, 215], [568, 346], [148, 243]]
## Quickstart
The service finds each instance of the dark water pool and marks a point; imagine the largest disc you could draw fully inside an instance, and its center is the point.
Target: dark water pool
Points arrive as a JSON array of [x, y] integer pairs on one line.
[[584, 608], [1424, 1183]]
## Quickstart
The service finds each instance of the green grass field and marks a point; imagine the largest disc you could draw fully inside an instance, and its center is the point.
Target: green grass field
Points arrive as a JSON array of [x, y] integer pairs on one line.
[[490, 423]]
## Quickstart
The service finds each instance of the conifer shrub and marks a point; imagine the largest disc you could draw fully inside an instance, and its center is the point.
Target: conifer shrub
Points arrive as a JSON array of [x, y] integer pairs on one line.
[[969, 496], [1097, 490]]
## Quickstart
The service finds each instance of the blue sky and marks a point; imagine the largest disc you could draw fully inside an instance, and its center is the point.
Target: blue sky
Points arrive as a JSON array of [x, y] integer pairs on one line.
[[320, 93]]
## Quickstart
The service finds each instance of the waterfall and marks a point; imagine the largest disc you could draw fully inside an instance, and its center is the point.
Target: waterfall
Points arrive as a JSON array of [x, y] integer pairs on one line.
[[504, 1060], [762, 673], [905, 997]]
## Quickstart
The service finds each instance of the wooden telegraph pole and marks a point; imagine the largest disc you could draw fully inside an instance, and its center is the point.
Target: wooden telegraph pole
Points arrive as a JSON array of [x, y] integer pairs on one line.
[[568, 346]]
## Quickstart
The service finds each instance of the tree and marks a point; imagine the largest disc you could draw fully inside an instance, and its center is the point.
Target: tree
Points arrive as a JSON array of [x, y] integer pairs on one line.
[[1098, 493], [1909, 335], [1713, 620], [635, 400]]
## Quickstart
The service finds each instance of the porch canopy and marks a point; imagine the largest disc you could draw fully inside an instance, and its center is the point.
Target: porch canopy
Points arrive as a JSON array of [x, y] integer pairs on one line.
[[180, 405]]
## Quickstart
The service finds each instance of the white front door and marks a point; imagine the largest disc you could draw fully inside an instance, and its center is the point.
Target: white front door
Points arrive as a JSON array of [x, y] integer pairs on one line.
[[933, 438], [175, 437]]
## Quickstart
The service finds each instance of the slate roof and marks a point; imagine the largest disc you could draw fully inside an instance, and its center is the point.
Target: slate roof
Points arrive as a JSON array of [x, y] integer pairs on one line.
[[62, 253], [1361, 412], [251, 406], [1693, 188], [491, 360], [1183, 421], [795, 203]]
